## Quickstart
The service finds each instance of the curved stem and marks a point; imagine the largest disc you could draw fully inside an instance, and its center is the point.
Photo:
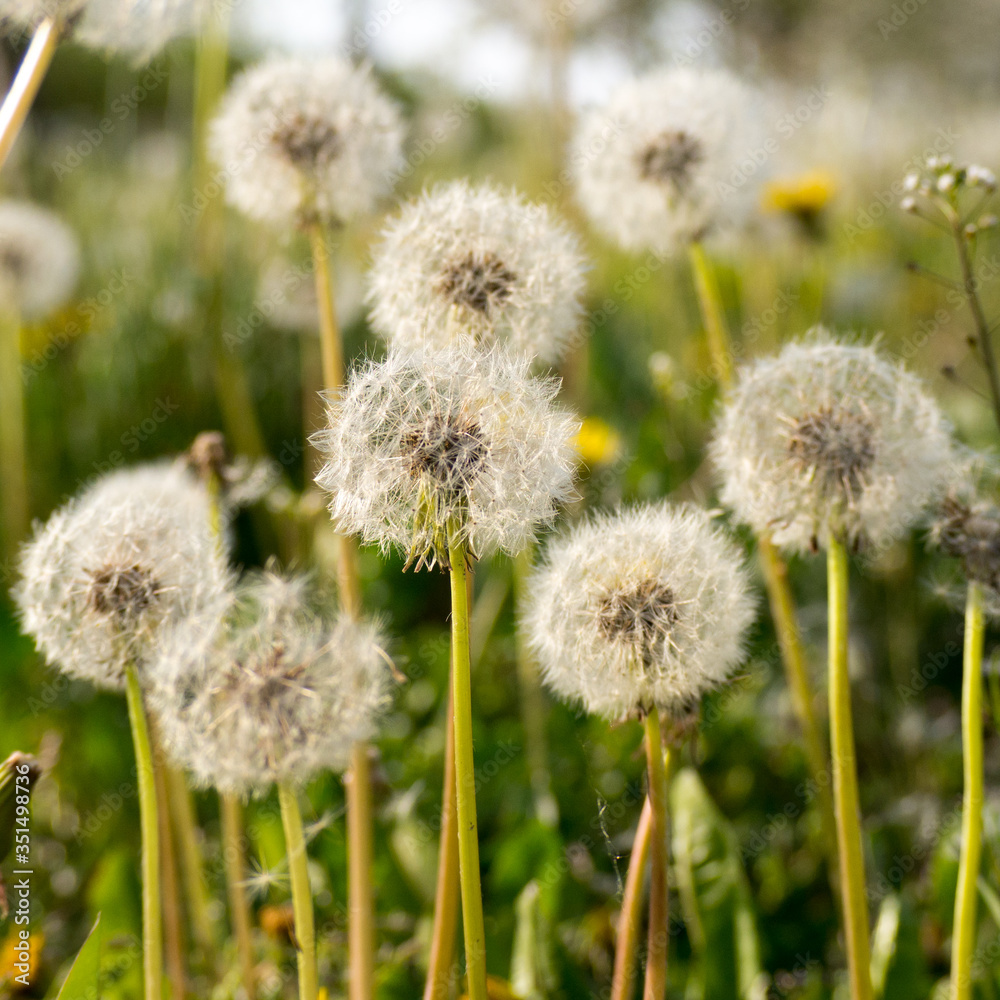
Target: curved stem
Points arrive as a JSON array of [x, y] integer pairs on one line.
[[710, 303], [442, 953], [845, 780], [967, 897], [24, 89], [302, 904], [239, 908], [361, 930], [465, 774], [152, 927], [630, 916], [658, 938]]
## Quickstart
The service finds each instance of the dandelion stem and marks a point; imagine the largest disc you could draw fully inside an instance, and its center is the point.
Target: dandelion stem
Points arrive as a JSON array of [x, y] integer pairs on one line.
[[710, 303], [234, 858], [361, 930], [172, 932], [442, 953], [23, 90], [967, 897], [465, 775], [329, 330], [14, 510], [657, 939], [302, 905], [630, 916], [152, 927], [845, 779], [186, 834]]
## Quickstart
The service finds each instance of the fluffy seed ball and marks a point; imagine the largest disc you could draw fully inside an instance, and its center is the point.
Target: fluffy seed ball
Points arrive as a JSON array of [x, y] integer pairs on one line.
[[433, 438], [831, 437], [659, 166], [479, 262], [645, 607], [110, 571], [264, 689], [39, 259], [304, 137]]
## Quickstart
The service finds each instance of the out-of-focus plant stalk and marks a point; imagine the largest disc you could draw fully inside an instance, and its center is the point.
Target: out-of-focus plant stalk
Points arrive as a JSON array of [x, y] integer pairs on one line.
[[234, 859], [465, 772], [710, 303], [630, 915], [302, 904], [967, 896], [657, 940], [24, 89], [152, 924], [13, 450], [845, 779], [173, 934]]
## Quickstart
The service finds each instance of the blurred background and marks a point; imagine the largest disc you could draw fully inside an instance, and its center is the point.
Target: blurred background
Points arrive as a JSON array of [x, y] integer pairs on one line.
[[857, 95]]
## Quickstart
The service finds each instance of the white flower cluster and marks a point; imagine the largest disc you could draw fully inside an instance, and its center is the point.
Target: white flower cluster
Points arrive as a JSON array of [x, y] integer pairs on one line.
[[114, 569], [432, 442], [305, 137], [39, 259], [831, 437], [264, 689], [647, 607], [659, 166], [478, 262]]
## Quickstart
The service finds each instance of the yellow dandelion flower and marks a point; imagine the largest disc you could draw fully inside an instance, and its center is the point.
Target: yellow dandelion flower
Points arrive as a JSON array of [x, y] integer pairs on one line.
[[598, 442]]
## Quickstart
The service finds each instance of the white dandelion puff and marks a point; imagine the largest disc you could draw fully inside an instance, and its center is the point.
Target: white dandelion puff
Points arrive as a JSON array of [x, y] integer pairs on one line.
[[478, 262], [114, 568], [831, 437], [659, 166], [39, 259], [646, 607], [302, 138], [265, 689], [460, 440]]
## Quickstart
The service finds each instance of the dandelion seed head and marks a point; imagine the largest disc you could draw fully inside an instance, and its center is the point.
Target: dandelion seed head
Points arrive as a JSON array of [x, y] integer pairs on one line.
[[39, 259], [479, 263], [428, 438], [648, 606], [139, 29], [312, 137], [659, 166], [112, 570], [265, 688], [831, 436]]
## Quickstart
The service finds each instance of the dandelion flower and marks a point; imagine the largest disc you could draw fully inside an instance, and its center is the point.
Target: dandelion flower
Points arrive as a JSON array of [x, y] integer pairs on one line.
[[459, 440], [662, 165], [303, 138], [640, 609], [265, 690], [831, 437], [113, 568], [479, 262], [39, 259]]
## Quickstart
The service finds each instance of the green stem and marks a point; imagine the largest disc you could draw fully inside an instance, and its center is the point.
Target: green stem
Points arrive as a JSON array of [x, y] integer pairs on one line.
[[24, 89], [361, 925], [13, 451], [152, 927], [302, 904], [239, 908], [845, 780], [465, 774], [966, 898], [710, 302], [630, 917], [658, 939]]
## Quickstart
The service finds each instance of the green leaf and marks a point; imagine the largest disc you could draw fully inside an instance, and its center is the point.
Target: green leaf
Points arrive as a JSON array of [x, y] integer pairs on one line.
[[884, 942], [83, 980]]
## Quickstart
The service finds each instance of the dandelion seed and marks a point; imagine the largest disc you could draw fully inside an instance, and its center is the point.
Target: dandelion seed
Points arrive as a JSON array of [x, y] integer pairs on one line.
[[39, 259], [264, 690], [661, 165], [429, 439], [113, 569], [647, 607], [831, 437], [478, 262], [313, 138]]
